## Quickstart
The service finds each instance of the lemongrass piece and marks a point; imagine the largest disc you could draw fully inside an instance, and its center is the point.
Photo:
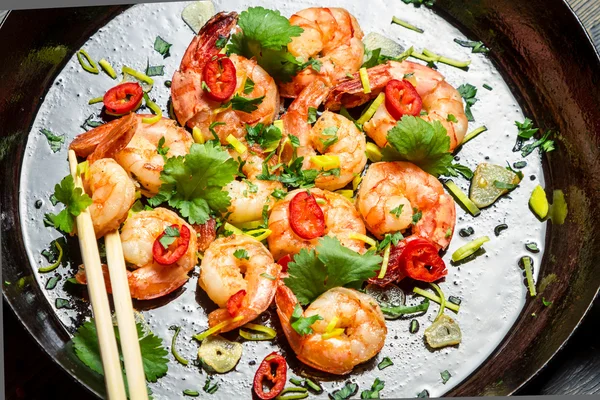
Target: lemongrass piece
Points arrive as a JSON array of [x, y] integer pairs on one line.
[[333, 333], [332, 324], [373, 152], [197, 135], [91, 66], [326, 162], [386, 260], [155, 109], [236, 144], [96, 100], [367, 115], [108, 68], [398, 21], [364, 79]]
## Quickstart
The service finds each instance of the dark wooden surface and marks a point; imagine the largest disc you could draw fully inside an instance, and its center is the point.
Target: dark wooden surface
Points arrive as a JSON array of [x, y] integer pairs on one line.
[[30, 374]]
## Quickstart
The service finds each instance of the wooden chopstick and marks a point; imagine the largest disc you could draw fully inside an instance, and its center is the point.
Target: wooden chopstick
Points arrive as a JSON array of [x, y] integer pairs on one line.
[[130, 346], [109, 352]]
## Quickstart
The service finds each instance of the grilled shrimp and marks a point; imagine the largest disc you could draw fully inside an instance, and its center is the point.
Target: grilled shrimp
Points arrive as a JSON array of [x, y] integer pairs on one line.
[[392, 195], [149, 279], [112, 192], [239, 274], [358, 315], [195, 109], [134, 145], [439, 98], [341, 219], [333, 38], [332, 135]]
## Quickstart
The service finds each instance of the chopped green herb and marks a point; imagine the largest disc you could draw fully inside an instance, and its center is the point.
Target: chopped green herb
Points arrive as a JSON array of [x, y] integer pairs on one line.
[[241, 254], [302, 324], [545, 144], [244, 104], [155, 70], [505, 185], [520, 164], [451, 118], [448, 233], [312, 115], [396, 212], [398, 21], [191, 393], [54, 141], [207, 386], [468, 92], [51, 284], [476, 47], [268, 137], [500, 228], [445, 376], [178, 357], [248, 86], [461, 169], [312, 63], [416, 216], [294, 140], [394, 312], [75, 201], [279, 193], [424, 394], [344, 393], [171, 233], [414, 326], [268, 276], [313, 385], [546, 302], [386, 362], [488, 87], [526, 129], [331, 133], [419, 3], [63, 303], [375, 389], [162, 47], [221, 41], [161, 149], [393, 238], [90, 123]]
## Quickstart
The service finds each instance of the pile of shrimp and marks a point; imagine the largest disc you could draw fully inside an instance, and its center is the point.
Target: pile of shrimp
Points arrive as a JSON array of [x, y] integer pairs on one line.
[[124, 162]]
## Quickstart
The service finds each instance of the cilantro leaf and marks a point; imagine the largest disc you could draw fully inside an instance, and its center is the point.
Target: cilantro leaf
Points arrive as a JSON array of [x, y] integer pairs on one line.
[[161, 46], [392, 238], [267, 137], [75, 201], [154, 356], [374, 392], [248, 86], [155, 70], [526, 129], [312, 115], [241, 254], [312, 63], [244, 104], [313, 272], [396, 212], [301, 324], [331, 134], [194, 184], [161, 149], [417, 215], [468, 92], [171, 233], [87, 349], [55, 141], [476, 47], [265, 35], [423, 143], [545, 144], [456, 169], [371, 57]]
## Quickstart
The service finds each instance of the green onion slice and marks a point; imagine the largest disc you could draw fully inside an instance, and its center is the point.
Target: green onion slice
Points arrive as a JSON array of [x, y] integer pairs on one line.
[[155, 109], [469, 248], [91, 65], [58, 260], [174, 349], [368, 114], [462, 198], [261, 332]]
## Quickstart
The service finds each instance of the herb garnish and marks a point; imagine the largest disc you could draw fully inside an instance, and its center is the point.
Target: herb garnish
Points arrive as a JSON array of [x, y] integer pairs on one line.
[[476, 47], [241, 254], [248, 86], [55, 141], [396, 212], [386, 362], [375, 389], [468, 92], [162, 47], [344, 393], [171, 233], [445, 376], [302, 324], [75, 202]]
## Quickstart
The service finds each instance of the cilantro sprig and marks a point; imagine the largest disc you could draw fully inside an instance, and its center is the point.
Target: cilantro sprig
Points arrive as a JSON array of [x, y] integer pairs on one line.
[[313, 272], [423, 143], [468, 93], [301, 324], [265, 35], [75, 201], [194, 184]]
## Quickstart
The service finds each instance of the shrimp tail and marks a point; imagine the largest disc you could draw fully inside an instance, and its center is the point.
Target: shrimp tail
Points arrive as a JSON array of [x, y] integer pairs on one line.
[[106, 140], [203, 47], [350, 93]]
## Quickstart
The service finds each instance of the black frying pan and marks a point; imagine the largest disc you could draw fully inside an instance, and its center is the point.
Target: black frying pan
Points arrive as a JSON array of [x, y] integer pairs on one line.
[[554, 72]]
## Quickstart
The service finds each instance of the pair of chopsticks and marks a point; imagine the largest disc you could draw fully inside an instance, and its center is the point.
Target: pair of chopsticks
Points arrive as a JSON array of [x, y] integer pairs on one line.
[[115, 387]]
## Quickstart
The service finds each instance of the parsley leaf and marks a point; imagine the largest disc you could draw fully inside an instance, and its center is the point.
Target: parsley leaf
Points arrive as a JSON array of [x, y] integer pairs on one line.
[[312, 115], [301, 324], [331, 134], [267, 137], [313, 272], [241, 254], [374, 392], [221, 41], [456, 169], [423, 143], [265, 35], [54, 141], [194, 184], [371, 57], [89, 122], [416, 216], [161, 149], [154, 360], [161, 46], [313, 63], [545, 144], [476, 47], [75, 201], [468, 92], [526, 129], [451, 118]]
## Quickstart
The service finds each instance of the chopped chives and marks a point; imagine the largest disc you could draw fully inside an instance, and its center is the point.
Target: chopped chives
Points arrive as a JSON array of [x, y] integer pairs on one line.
[[398, 21]]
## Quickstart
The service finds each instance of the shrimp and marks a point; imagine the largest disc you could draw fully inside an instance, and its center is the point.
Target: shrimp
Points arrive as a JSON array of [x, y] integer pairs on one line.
[[439, 98], [393, 195], [224, 273], [358, 314], [194, 108], [112, 192], [134, 145], [150, 279], [333, 38], [332, 135], [341, 219]]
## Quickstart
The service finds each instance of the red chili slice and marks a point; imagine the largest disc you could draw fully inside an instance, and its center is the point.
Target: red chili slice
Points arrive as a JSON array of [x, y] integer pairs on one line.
[[234, 304], [272, 362], [401, 98], [283, 261], [306, 217], [420, 260], [170, 255], [123, 98], [220, 78]]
